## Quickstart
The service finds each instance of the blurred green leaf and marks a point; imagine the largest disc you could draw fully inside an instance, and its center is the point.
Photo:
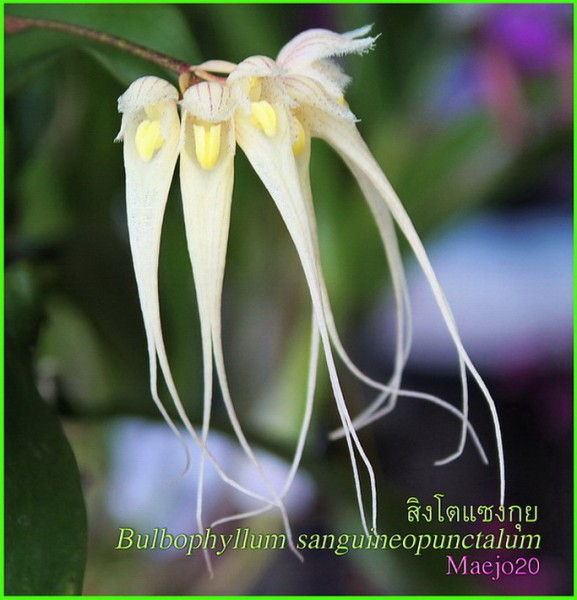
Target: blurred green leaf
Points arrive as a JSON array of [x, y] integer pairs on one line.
[[235, 31], [23, 306], [45, 517]]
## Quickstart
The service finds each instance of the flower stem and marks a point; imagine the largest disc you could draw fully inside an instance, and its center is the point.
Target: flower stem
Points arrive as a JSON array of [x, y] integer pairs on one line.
[[14, 24]]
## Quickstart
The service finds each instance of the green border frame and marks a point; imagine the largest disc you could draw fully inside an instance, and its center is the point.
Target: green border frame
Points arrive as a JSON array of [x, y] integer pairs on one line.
[[311, 2]]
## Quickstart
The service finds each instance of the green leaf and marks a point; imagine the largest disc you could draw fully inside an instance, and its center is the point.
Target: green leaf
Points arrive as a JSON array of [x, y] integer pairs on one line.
[[45, 518], [159, 27]]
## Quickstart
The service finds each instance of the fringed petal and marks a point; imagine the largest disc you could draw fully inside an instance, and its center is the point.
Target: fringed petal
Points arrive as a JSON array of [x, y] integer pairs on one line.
[[317, 44]]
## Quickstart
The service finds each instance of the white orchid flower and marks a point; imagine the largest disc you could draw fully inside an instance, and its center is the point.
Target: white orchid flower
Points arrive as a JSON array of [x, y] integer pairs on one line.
[[206, 179], [150, 131], [271, 109]]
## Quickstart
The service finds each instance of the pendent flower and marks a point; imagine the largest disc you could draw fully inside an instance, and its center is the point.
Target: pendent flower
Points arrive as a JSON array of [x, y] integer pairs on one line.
[[154, 138], [150, 131], [271, 109]]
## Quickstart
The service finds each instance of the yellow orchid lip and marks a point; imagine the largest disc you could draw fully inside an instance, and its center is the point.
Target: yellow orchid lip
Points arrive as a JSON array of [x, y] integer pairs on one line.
[[207, 144], [148, 139], [264, 116], [300, 138]]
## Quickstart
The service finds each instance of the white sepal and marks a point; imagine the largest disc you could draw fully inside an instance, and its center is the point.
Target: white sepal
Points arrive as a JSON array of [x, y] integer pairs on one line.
[[147, 188], [207, 198], [208, 101], [217, 66], [141, 94], [273, 160]]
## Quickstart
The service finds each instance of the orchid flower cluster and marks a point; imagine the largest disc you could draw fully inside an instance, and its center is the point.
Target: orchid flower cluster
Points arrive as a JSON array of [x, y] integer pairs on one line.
[[271, 109]]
